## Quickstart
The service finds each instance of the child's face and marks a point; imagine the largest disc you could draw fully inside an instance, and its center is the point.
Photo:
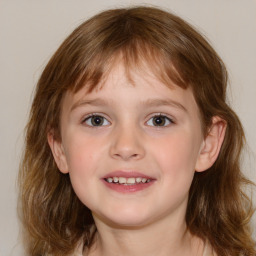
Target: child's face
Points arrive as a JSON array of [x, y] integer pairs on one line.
[[141, 130]]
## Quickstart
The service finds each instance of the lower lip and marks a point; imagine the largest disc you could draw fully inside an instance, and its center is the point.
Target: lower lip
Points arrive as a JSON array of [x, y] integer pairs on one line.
[[128, 188]]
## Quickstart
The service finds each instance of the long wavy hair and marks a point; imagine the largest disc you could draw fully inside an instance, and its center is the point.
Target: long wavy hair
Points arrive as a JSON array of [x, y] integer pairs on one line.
[[218, 210]]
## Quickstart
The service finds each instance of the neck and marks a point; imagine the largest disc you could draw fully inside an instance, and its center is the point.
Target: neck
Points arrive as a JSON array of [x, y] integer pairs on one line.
[[153, 239]]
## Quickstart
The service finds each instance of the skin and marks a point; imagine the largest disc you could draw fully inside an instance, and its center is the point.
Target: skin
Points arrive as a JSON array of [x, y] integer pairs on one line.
[[128, 139]]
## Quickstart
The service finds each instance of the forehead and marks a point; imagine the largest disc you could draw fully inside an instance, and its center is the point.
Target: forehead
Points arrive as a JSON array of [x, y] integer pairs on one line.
[[136, 86], [129, 70], [141, 57]]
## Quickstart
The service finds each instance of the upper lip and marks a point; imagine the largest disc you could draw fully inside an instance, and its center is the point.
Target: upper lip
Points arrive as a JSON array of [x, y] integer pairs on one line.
[[127, 174]]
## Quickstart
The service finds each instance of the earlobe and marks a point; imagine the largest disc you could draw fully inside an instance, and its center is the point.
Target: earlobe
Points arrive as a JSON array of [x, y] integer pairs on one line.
[[211, 145], [58, 152]]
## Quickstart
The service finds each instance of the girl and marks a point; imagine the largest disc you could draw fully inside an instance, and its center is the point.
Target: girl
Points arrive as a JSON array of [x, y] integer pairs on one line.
[[131, 148]]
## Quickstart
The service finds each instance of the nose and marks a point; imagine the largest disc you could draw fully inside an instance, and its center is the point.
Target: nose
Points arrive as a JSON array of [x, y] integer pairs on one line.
[[126, 144]]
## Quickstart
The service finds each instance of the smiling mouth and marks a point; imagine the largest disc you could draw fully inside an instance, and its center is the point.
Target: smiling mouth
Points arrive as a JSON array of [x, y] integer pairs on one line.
[[127, 181]]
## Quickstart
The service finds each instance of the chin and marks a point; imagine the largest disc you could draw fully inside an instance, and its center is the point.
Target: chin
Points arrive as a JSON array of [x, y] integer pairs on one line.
[[123, 219]]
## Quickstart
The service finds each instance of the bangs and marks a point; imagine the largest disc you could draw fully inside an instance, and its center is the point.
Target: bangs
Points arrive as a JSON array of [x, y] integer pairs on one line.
[[135, 55]]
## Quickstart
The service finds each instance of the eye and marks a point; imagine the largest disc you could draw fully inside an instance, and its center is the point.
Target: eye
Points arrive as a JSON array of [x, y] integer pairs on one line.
[[159, 120], [96, 120]]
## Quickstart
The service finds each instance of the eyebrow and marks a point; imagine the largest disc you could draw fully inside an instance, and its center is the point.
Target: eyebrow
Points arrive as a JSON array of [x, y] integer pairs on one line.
[[147, 103], [93, 102], [163, 102]]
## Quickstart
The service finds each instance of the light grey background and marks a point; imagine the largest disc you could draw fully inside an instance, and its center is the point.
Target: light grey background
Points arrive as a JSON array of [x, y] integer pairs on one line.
[[30, 32]]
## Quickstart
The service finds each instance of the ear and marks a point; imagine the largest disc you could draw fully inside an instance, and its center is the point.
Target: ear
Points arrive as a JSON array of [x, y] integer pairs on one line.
[[58, 152], [211, 145]]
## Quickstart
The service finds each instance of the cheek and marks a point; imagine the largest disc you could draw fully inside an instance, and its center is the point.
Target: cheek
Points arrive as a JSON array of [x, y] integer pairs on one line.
[[175, 159], [83, 162], [177, 156], [82, 152], [83, 157]]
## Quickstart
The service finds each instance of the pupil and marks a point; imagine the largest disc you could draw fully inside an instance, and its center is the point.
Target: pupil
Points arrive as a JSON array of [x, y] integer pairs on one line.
[[159, 121], [97, 120]]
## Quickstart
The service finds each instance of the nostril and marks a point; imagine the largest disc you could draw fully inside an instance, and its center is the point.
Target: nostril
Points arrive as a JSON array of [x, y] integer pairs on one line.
[[126, 156]]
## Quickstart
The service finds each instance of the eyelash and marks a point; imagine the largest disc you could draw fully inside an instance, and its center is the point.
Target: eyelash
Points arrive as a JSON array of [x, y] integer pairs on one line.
[[90, 117]]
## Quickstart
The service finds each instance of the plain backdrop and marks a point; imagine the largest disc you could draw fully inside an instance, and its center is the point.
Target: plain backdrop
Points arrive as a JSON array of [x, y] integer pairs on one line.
[[30, 32]]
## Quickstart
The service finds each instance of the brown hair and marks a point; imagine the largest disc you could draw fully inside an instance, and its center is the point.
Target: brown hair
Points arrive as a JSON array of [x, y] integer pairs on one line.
[[218, 210]]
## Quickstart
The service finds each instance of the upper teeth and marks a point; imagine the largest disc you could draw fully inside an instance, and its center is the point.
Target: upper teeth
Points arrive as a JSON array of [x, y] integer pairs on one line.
[[126, 181]]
